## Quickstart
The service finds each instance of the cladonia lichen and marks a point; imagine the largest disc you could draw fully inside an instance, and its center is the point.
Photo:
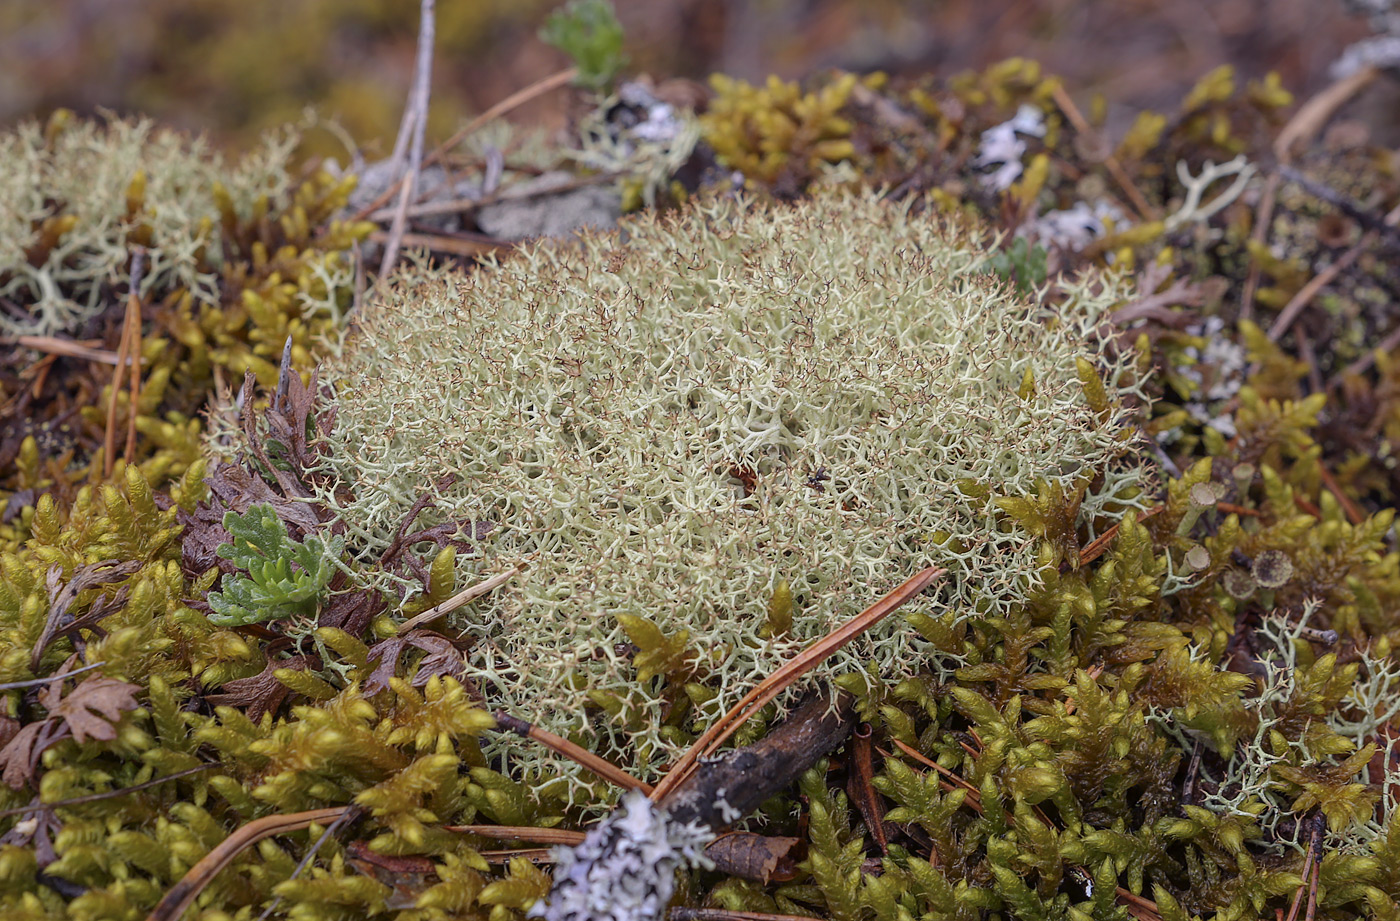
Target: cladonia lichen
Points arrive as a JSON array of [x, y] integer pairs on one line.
[[75, 196], [670, 422]]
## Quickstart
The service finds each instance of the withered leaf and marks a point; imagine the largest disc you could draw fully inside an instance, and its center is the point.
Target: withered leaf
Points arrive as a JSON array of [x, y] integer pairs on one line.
[[94, 706], [351, 611], [756, 857], [443, 658], [385, 656], [62, 595], [262, 693], [9, 728], [408, 877], [19, 759], [860, 788]]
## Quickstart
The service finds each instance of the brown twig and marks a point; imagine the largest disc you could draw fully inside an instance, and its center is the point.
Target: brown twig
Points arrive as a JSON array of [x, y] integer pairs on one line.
[[518, 98], [1110, 162], [952, 782], [350, 815], [511, 102], [1353, 513], [441, 243], [1096, 547], [1318, 110], [416, 120], [464, 205], [724, 914], [109, 794], [1364, 363], [562, 746], [1322, 279], [182, 895], [36, 682], [68, 348], [774, 684], [1263, 217], [128, 352], [548, 836], [470, 593]]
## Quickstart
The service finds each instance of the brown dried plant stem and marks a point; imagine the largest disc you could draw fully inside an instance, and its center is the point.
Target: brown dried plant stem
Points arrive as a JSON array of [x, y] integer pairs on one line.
[[554, 837], [776, 683], [560, 745], [1110, 162], [182, 894], [511, 102], [724, 914], [470, 593], [128, 352], [1305, 124], [415, 121]]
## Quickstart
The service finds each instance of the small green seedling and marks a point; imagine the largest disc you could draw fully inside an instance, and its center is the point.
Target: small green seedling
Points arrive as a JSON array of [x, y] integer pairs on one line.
[[285, 578]]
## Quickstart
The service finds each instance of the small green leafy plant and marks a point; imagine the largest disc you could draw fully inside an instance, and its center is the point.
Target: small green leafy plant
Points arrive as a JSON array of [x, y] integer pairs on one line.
[[1023, 265], [285, 578], [589, 33]]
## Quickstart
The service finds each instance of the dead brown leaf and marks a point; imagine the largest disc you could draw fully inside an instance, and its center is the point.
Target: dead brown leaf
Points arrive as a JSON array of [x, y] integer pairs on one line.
[[757, 857], [19, 759], [262, 693], [62, 596], [94, 706], [444, 657]]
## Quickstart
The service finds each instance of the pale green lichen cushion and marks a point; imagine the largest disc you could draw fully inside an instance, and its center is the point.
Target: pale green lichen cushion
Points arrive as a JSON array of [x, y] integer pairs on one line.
[[667, 422]]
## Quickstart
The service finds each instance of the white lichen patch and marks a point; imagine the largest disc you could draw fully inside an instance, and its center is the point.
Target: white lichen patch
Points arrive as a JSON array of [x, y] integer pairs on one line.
[[85, 171], [667, 421], [625, 869]]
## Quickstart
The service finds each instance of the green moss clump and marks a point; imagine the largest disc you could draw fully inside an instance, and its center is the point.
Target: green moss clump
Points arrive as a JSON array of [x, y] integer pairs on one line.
[[668, 423], [79, 193], [237, 258], [778, 131]]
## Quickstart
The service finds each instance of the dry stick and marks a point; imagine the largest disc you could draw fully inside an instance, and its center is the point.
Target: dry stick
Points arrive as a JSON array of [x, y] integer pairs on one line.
[[68, 348], [724, 914], [133, 309], [126, 351], [463, 205], [550, 836], [1096, 547], [1304, 124], [441, 243], [182, 894], [35, 682], [1318, 110], [344, 819], [1363, 364], [560, 745], [1315, 285], [456, 601], [1353, 512], [1115, 169], [1262, 218], [775, 683], [954, 781], [1302, 887], [518, 98], [109, 794], [416, 117], [513, 101]]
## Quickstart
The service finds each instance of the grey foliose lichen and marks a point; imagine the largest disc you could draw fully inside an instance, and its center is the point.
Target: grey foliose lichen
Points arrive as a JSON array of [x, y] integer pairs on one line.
[[667, 422], [76, 196], [625, 869]]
